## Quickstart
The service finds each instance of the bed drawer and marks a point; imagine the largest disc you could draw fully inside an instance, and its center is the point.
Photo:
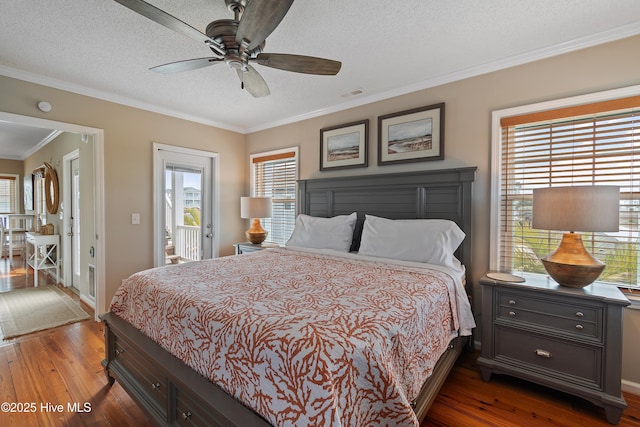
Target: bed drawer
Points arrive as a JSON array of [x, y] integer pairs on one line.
[[153, 386], [579, 320], [189, 410]]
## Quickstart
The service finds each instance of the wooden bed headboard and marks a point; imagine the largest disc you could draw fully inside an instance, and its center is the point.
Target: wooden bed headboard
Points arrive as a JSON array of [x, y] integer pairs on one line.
[[433, 194]]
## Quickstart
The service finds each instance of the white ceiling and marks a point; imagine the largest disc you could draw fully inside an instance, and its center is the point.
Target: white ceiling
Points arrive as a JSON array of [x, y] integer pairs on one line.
[[17, 142], [102, 49]]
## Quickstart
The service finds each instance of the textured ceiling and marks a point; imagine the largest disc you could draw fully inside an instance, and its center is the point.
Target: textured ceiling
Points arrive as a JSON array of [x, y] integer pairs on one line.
[[102, 49]]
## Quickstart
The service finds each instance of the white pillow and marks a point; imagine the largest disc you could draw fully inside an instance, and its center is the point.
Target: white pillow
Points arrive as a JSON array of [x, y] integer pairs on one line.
[[432, 241], [323, 233]]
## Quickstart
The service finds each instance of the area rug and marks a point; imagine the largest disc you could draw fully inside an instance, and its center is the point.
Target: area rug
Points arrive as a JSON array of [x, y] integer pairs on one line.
[[34, 309]]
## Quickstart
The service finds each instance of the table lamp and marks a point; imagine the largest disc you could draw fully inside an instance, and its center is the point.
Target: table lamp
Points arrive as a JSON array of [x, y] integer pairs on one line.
[[256, 208], [575, 208]]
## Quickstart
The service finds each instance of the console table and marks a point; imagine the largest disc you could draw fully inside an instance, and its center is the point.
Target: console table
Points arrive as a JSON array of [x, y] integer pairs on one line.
[[45, 254]]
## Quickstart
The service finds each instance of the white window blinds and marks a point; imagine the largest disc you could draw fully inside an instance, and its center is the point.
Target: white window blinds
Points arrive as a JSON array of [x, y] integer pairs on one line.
[[8, 194], [274, 175], [595, 144]]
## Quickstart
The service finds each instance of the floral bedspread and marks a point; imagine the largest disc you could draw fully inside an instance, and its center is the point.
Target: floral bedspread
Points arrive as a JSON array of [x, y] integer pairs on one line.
[[303, 338]]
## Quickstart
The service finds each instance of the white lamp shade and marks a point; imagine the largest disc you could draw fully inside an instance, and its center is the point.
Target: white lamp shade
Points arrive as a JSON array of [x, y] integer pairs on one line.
[[255, 207], [577, 208]]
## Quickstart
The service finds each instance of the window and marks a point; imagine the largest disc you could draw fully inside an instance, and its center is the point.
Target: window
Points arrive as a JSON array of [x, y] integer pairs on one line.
[[597, 143], [274, 175], [8, 193]]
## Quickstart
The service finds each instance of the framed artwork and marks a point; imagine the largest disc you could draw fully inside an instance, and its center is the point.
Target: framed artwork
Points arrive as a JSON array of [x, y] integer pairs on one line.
[[411, 136], [28, 192], [344, 146]]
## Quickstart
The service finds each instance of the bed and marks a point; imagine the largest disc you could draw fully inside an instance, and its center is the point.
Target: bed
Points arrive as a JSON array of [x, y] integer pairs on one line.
[[141, 354]]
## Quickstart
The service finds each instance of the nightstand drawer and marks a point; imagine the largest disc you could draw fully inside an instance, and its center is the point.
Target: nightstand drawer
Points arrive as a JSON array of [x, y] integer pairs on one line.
[[577, 319], [550, 357]]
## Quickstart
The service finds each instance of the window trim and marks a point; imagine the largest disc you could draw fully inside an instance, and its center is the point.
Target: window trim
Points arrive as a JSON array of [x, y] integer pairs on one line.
[[274, 155], [496, 150]]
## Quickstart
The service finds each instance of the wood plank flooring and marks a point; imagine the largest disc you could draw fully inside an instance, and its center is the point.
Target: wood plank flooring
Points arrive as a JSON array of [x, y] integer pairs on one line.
[[61, 366]]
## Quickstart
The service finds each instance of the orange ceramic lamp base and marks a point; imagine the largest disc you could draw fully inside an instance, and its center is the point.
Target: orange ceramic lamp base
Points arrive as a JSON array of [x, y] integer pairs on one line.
[[256, 234]]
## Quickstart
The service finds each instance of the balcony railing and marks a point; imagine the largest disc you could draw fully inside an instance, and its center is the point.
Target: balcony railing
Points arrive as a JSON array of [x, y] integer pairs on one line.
[[187, 242]]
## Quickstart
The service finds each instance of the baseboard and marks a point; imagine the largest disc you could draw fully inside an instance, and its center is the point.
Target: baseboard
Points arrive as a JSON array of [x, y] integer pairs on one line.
[[630, 387]]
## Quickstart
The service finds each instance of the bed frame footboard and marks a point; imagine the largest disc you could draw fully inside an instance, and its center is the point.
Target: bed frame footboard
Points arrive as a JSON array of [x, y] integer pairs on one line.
[[168, 390], [171, 393]]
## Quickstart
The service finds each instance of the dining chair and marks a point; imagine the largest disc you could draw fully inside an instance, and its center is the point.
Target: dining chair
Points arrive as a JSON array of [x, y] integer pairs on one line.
[[17, 238]]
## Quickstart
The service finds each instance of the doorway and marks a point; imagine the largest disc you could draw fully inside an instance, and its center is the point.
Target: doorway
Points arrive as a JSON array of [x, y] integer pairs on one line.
[[92, 243], [185, 206]]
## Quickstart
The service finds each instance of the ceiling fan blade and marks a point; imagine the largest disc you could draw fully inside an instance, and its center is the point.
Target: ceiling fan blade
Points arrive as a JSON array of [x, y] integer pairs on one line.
[[299, 63], [163, 18], [187, 65], [259, 19], [253, 82]]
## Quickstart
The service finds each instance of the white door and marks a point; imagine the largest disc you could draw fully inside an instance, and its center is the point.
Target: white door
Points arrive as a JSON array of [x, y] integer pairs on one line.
[[184, 198], [75, 222], [70, 215]]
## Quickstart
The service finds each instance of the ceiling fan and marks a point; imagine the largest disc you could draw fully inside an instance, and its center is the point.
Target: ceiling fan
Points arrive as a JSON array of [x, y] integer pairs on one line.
[[238, 41]]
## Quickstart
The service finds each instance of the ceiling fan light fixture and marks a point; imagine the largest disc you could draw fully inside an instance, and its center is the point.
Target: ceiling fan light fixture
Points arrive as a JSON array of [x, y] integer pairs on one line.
[[238, 42], [236, 61]]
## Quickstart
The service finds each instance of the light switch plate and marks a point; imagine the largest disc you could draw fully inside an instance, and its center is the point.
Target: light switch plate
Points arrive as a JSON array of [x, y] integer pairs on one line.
[[135, 218]]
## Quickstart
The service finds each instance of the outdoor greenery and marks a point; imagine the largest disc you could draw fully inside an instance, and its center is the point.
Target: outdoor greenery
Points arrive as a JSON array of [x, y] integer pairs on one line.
[[192, 216]]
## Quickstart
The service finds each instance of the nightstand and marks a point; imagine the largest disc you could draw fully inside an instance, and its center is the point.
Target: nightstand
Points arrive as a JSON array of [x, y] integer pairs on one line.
[[246, 247], [565, 338]]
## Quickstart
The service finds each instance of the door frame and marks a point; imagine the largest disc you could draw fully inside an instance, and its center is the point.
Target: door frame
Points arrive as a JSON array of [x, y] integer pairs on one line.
[[158, 195], [97, 135]]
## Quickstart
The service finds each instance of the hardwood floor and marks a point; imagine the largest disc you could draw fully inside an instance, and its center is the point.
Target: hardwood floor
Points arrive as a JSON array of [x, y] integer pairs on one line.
[[61, 366], [466, 400]]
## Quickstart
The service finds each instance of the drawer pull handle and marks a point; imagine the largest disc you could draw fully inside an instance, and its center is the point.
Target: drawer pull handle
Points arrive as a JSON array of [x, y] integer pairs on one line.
[[542, 353], [580, 314], [512, 313], [155, 386], [579, 327], [512, 302], [186, 415]]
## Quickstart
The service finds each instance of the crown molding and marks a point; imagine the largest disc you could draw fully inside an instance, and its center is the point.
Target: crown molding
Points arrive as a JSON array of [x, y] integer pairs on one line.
[[106, 96], [535, 55]]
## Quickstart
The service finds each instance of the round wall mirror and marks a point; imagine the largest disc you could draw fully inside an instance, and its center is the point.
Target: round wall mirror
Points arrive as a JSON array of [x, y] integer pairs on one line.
[[51, 189]]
